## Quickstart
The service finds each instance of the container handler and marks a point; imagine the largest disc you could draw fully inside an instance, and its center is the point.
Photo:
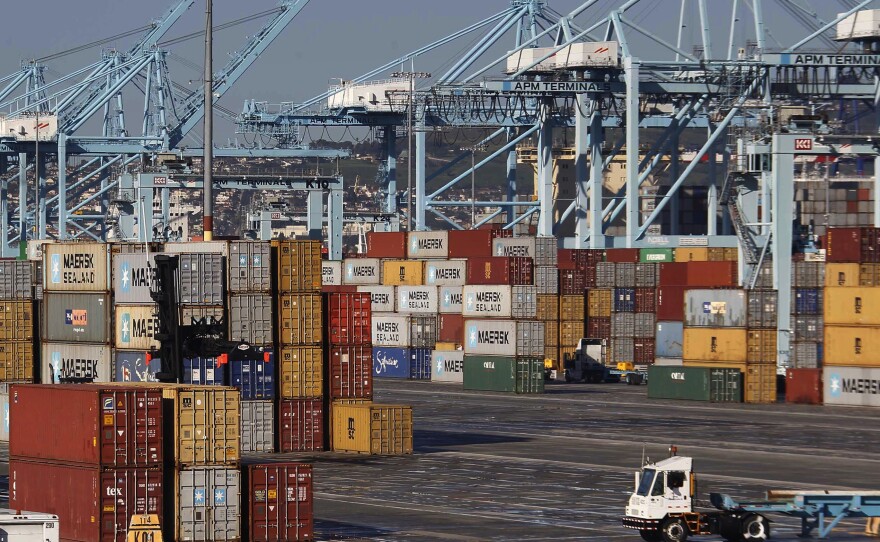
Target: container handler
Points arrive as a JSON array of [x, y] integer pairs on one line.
[[588, 365]]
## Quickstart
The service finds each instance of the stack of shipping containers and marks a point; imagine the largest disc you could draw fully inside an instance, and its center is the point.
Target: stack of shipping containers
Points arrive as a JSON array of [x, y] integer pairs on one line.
[[201, 294], [808, 281], [300, 322], [133, 270], [17, 356], [448, 276]]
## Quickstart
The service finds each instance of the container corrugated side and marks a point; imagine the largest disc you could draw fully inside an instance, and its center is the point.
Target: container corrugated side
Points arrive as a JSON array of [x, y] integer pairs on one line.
[[402, 272], [514, 246], [489, 373], [250, 318], [350, 374], [255, 378], [390, 329], [424, 331], [301, 371], [417, 299], [547, 280], [803, 386], [207, 504], [760, 384], [198, 247], [546, 251], [204, 424], [715, 344], [855, 386], [132, 278], [16, 279], [79, 267], [852, 346], [348, 318], [300, 425], [373, 429], [762, 308], [66, 363], [841, 275], [188, 313], [279, 502], [694, 383], [201, 279], [136, 327], [250, 266], [300, 319], [382, 298], [331, 273], [504, 337], [852, 306], [17, 361], [17, 320], [362, 271], [257, 426], [715, 308], [299, 266]]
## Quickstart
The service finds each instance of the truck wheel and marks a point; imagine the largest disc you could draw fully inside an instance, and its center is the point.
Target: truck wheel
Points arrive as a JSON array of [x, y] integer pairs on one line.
[[755, 527], [650, 535], [674, 530]]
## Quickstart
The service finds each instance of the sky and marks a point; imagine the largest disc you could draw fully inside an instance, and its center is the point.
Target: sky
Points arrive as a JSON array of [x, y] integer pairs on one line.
[[328, 39]]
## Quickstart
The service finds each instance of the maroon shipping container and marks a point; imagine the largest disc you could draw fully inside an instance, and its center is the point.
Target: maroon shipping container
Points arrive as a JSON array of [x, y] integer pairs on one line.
[[386, 244], [803, 386], [643, 351], [86, 424], [622, 255], [280, 502], [573, 282], [589, 274], [470, 243], [711, 274], [646, 300], [451, 329], [93, 504], [300, 425], [338, 288], [351, 372], [670, 303], [515, 271], [599, 328], [565, 259], [843, 245], [673, 274], [349, 318]]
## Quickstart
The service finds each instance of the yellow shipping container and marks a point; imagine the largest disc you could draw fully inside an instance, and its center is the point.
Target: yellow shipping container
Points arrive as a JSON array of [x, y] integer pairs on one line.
[[869, 275], [715, 344], [762, 346], [299, 266], [599, 302], [854, 346], [731, 254], [402, 272], [204, 423], [571, 332], [841, 274], [715, 364], [446, 347], [372, 429], [551, 353], [301, 370], [300, 319], [16, 320], [551, 333], [852, 306], [548, 307], [715, 254], [571, 307], [759, 384], [691, 254], [16, 361]]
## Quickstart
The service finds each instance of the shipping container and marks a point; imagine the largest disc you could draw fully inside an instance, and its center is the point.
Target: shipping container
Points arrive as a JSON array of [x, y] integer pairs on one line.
[[92, 504], [809, 274], [622, 255], [762, 308], [207, 503], [841, 275], [445, 272], [257, 427], [852, 306], [110, 427], [669, 339], [599, 303], [203, 424], [688, 254], [625, 275], [255, 378], [849, 245], [582, 258], [191, 313], [66, 363], [382, 298], [644, 325], [854, 386], [803, 386], [250, 318], [390, 329], [386, 244], [695, 383], [448, 366], [204, 371], [623, 324], [331, 273], [300, 425], [621, 350], [201, 279], [471, 243], [808, 328], [808, 301], [350, 374], [760, 384], [762, 346], [606, 275], [764, 278], [135, 366], [67, 317], [715, 344], [17, 361], [78, 267], [490, 301], [672, 274], [515, 271], [4, 412], [712, 274], [715, 308], [391, 362], [547, 280], [301, 319], [852, 346], [136, 326], [504, 337], [362, 271], [428, 244], [349, 318], [646, 300], [250, 266], [643, 350], [451, 299], [299, 266], [503, 373], [806, 354], [572, 282], [656, 255], [599, 328], [451, 328], [646, 275], [572, 307], [301, 371], [133, 276], [17, 279], [17, 320], [570, 331], [198, 247], [417, 299], [373, 429], [420, 363], [515, 246], [546, 251], [402, 272], [424, 331], [624, 300], [524, 302], [279, 504], [548, 307]]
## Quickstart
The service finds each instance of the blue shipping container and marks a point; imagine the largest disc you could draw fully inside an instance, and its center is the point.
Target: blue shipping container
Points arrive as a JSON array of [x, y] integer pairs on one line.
[[134, 367], [391, 362], [204, 371], [808, 301], [420, 364], [624, 300], [255, 378], [670, 337]]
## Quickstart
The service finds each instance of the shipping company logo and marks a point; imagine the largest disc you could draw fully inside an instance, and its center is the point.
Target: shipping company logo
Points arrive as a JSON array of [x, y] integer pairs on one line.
[[440, 365], [114, 492], [419, 243], [414, 246], [351, 429], [125, 270], [366, 271], [470, 301], [220, 496], [56, 367], [835, 385], [199, 497], [126, 327], [715, 307], [513, 250], [383, 362], [677, 376], [838, 385], [108, 403], [76, 317], [56, 268], [432, 274], [242, 260], [803, 144], [472, 336]]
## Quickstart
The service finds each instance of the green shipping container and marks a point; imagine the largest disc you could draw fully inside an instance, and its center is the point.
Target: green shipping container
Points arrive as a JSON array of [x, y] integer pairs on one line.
[[656, 255], [695, 383], [503, 373]]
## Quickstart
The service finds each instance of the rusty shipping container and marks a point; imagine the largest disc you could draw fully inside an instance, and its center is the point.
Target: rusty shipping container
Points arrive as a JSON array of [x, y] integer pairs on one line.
[[715, 308], [572, 282], [301, 425], [301, 371], [712, 274], [300, 319], [203, 424], [350, 374], [250, 266], [103, 426], [349, 318], [279, 502], [77, 267], [386, 245], [471, 243], [76, 317], [92, 504], [299, 266], [372, 429], [645, 275], [803, 386]]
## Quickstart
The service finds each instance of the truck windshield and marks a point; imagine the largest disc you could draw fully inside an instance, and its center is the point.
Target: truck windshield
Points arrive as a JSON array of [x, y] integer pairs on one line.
[[645, 482]]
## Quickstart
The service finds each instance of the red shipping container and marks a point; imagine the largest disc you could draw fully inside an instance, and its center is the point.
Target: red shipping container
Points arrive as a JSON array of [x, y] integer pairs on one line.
[[515, 271], [280, 502], [565, 259], [351, 372], [673, 274], [599, 328], [573, 281], [386, 244], [93, 504], [451, 328], [349, 318], [843, 245], [589, 276], [470, 243], [711, 274], [86, 424], [622, 255], [643, 351], [670, 303], [646, 300], [300, 425], [336, 289], [803, 386]]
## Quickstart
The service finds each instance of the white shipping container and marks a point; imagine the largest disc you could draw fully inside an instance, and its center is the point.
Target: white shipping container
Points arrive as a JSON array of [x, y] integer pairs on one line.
[[381, 297], [24, 128], [374, 96], [79, 267], [132, 278], [391, 329], [448, 366], [417, 299], [525, 57], [857, 386], [490, 301], [76, 363], [331, 272], [362, 271], [861, 24], [445, 272], [514, 246], [451, 299], [492, 337], [428, 244], [198, 247], [601, 54], [136, 327]]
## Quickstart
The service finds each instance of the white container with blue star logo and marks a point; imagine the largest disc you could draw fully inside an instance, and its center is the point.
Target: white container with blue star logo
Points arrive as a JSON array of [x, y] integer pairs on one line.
[[136, 326], [445, 272], [451, 299], [361, 271], [428, 244], [132, 278], [381, 297], [331, 273], [856, 386], [448, 366], [78, 267], [209, 504]]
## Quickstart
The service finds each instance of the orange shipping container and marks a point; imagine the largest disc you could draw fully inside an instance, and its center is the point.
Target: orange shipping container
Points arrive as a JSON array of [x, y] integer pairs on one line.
[[760, 384], [852, 306], [853, 346], [571, 307], [841, 274], [715, 344]]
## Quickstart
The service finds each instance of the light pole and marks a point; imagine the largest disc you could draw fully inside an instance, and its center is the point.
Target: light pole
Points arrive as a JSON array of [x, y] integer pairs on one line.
[[411, 76]]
